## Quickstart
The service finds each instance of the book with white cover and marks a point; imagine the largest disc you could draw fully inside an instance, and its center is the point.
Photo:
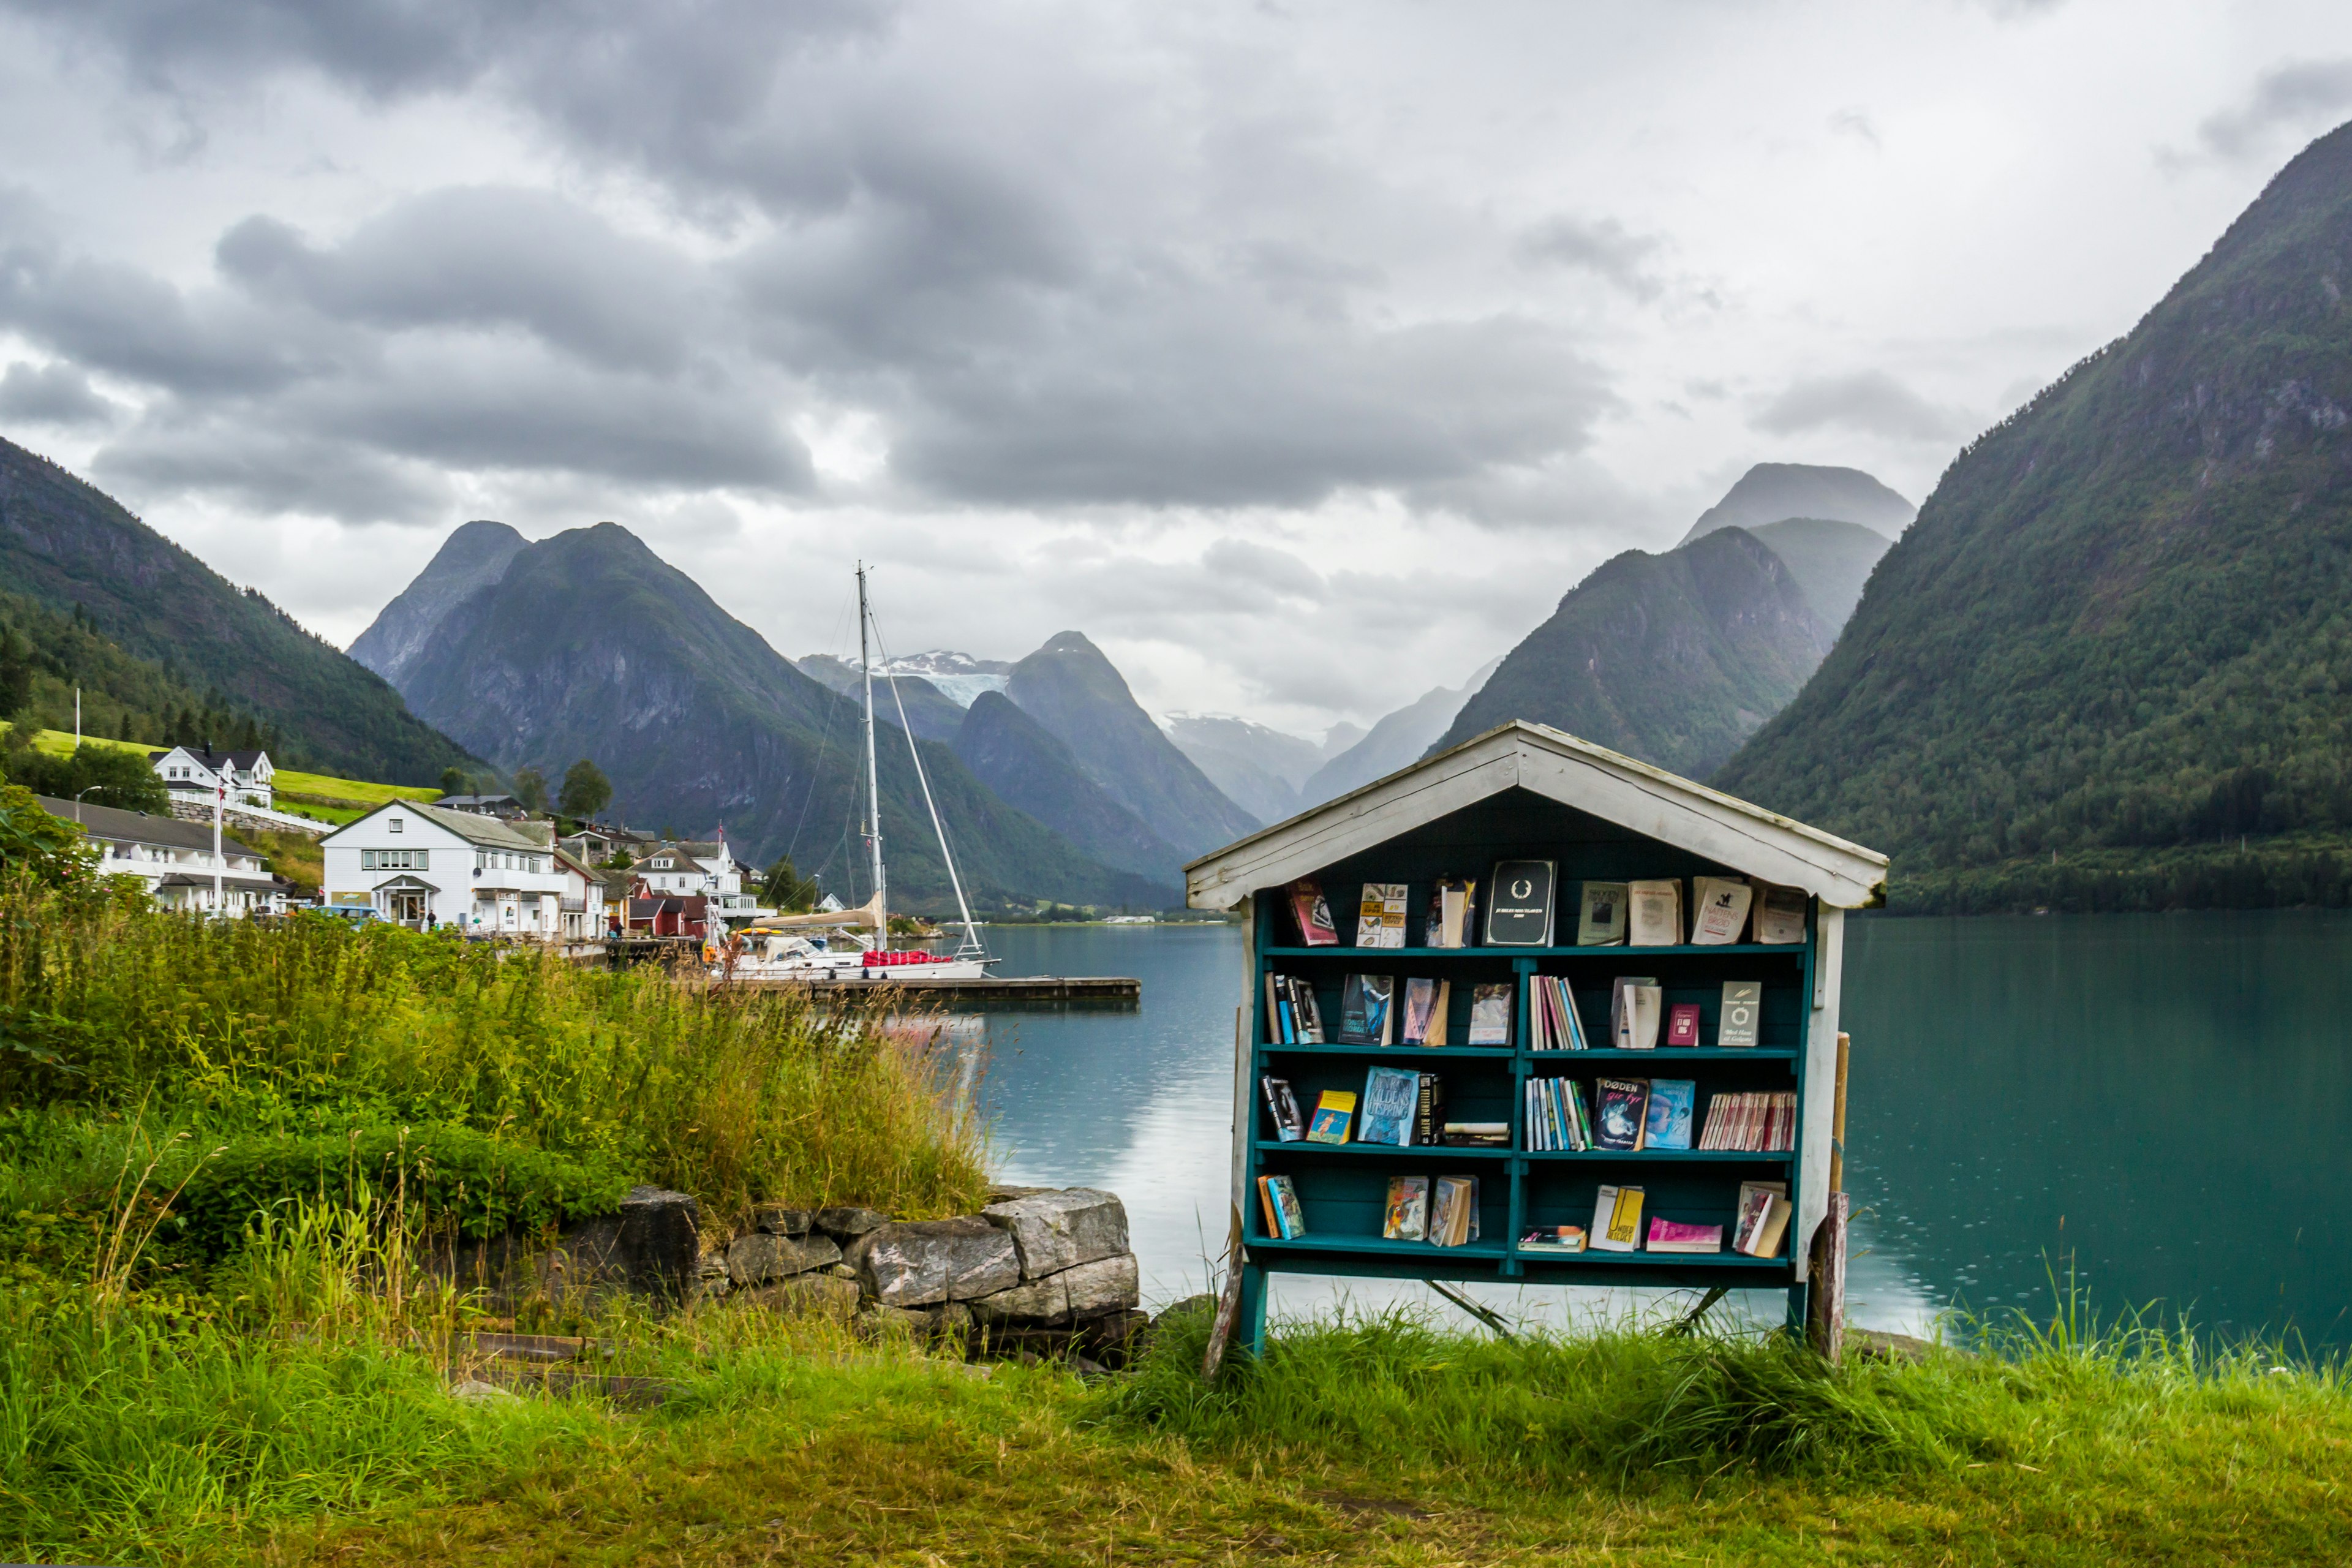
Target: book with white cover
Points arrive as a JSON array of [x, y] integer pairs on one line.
[[1655, 912], [1720, 913], [1624, 1013], [1779, 915], [1380, 917]]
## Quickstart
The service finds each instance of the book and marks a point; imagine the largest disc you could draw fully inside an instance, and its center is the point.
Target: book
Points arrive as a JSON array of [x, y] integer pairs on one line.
[[1309, 908], [1556, 1119], [1333, 1113], [1451, 900], [1554, 1239], [1674, 1236], [1429, 1110], [1453, 1210], [1718, 909], [1379, 916], [1391, 1097], [1682, 1025], [1519, 903], [1408, 1212], [1763, 1218], [1617, 1219], [1286, 1204], [1287, 1125], [1620, 1108], [1654, 912], [1420, 1001], [1750, 1121], [1634, 1013], [1438, 1010], [1265, 1202], [1553, 1013], [1667, 1122], [1622, 1013], [1743, 1009], [1490, 1015], [1476, 1135], [1600, 915], [1779, 915], [1365, 1009]]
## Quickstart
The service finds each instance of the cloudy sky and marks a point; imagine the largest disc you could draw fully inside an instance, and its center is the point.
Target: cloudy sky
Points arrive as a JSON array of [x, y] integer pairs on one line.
[[1302, 354]]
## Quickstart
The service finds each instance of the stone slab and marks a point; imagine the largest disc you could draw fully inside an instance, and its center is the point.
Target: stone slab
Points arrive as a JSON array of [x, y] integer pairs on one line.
[[844, 1221], [1060, 1227], [777, 1220], [923, 1262], [761, 1256]]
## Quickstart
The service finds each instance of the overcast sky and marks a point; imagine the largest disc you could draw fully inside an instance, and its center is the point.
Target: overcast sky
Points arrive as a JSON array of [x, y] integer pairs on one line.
[[1301, 354]]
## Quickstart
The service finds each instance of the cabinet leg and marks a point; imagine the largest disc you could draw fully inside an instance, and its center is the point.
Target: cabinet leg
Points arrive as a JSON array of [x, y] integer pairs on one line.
[[1250, 1330], [1798, 1295]]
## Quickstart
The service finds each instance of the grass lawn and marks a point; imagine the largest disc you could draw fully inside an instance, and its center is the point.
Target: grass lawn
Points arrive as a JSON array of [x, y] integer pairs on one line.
[[322, 795]]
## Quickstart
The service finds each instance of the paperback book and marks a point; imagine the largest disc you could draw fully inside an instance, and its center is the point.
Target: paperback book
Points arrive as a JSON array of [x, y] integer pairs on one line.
[[1293, 1018], [1719, 910], [1634, 1004], [1779, 915], [1620, 1108], [1453, 901], [1617, 1219], [1476, 1135], [1408, 1209], [1674, 1236], [1490, 1015], [1763, 1218], [1366, 1014], [1429, 1112], [1424, 1008], [1391, 1100], [1743, 1009], [1333, 1115], [1380, 917], [1454, 1211], [1283, 1106], [1600, 915], [1552, 1009], [1667, 1122], [1554, 1239], [1751, 1121], [1313, 913], [1655, 912], [1556, 1119], [1284, 1218], [1519, 903]]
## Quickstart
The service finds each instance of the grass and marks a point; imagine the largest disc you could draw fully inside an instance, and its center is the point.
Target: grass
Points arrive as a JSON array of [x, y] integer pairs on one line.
[[322, 795]]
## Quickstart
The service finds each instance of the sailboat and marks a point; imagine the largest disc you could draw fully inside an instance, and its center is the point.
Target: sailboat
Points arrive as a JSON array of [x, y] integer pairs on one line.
[[775, 947]]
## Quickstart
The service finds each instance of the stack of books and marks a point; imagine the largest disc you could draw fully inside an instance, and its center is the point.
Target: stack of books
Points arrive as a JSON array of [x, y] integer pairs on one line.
[[1552, 1008], [1443, 1211], [1292, 1018], [1558, 1119], [1762, 1123]]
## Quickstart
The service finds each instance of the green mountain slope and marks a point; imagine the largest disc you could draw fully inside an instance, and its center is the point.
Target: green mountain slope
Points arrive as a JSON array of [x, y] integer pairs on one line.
[[51, 655], [1016, 756], [1674, 658], [931, 712], [473, 557], [590, 644], [63, 542], [2120, 633]]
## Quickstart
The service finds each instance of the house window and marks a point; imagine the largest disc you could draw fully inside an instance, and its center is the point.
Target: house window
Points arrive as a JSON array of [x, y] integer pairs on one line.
[[398, 823], [394, 859]]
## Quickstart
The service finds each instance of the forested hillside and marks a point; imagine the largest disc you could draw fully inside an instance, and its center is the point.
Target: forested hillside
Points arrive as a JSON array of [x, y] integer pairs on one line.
[[2111, 664]]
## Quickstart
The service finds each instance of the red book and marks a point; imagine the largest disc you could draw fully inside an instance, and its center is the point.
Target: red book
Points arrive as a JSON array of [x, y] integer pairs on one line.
[[1682, 1024]]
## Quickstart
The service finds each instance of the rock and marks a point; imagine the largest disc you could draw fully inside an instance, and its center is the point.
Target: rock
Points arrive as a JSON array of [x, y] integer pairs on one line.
[[1090, 1290], [777, 1220], [1033, 1301], [1002, 1191], [1060, 1228], [1096, 1289], [847, 1222], [474, 1391], [1117, 1340], [842, 1270], [819, 1295], [761, 1256], [924, 1262], [949, 1318], [1869, 1344], [710, 1282], [854, 1250], [1204, 1305]]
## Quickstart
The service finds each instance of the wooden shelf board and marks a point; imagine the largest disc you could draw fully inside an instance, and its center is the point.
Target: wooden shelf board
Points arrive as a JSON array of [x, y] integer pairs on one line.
[[1671, 1054], [1418, 1053], [1431, 1150], [1735, 949]]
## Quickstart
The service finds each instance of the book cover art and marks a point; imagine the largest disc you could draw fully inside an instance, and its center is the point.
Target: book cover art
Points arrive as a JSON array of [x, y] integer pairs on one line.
[[1554, 1239], [1439, 1022], [1779, 915], [1519, 903], [1379, 915], [1313, 913], [1391, 1097], [1333, 1113], [1719, 910], [1490, 1015], [1286, 1204], [1408, 1209], [1756, 1232], [1666, 1124], [1600, 915], [1273, 1211], [1655, 912], [1674, 1236], [1283, 1105], [1743, 1009], [1617, 1219], [1364, 1003], [1429, 1110], [1452, 1211], [1682, 1025], [1419, 1000], [1621, 1113]]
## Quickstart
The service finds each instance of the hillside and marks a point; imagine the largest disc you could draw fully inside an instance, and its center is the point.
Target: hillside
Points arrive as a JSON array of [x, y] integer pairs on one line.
[[2120, 633], [1397, 740], [63, 542], [1257, 768], [931, 711], [590, 644], [1068, 687], [472, 558], [1829, 560], [1769, 492], [46, 655], [1016, 756], [1674, 658]]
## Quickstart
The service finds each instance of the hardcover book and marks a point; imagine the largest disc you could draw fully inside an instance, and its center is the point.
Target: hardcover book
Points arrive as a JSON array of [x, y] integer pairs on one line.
[[1655, 912], [1420, 1001], [1674, 1236], [1621, 1113], [1313, 914], [1719, 910], [1287, 1124], [1743, 1009], [1682, 1025], [1451, 900], [1617, 1219], [1265, 1202], [1779, 915], [1554, 1239], [1380, 917], [1428, 1113], [1408, 1210], [1286, 1204], [1476, 1135], [1391, 1097], [1667, 1124], [1333, 1113], [1519, 904], [1600, 915], [1365, 1004], [1490, 1015], [1452, 1211]]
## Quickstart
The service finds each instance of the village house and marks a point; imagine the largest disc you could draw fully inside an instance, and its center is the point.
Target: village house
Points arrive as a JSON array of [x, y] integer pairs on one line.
[[504, 807], [582, 909], [175, 859], [708, 870], [427, 866], [193, 772]]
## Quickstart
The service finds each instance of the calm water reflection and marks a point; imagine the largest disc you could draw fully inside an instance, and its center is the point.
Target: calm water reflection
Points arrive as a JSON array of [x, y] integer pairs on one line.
[[2156, 1100]]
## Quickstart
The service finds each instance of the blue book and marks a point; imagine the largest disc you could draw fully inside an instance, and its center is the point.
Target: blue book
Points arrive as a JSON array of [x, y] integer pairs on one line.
[[1672, 1100], [1390, 1097]]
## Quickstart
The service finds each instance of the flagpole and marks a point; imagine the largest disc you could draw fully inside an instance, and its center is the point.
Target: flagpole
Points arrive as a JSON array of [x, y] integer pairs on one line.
[[220, 788]]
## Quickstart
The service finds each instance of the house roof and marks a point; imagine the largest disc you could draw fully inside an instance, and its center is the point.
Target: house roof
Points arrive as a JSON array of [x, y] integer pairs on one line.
[[475, 802], [139, 828], [488, 832], [242, 761], [228, 879], [1552, 763]]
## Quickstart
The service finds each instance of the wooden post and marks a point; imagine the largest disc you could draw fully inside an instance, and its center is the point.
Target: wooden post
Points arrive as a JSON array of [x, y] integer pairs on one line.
[[1825, 1301], [1837, 1117], [1229, 1303]]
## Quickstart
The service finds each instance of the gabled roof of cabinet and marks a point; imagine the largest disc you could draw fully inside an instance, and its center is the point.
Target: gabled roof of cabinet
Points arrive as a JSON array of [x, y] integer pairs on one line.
[[1551, 763]]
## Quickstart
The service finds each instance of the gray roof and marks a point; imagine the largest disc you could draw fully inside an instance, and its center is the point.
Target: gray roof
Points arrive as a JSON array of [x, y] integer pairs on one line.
[[242, 761], [139, 828], [486, 831]]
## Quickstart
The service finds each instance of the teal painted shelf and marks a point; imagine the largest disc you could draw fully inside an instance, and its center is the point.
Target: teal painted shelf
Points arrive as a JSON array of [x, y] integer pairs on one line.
[[1390, 1150], [1671, 1054], [1733, 950], [1376, 1244], [1665, 1156], [1592, 1257], [1418, 1053]]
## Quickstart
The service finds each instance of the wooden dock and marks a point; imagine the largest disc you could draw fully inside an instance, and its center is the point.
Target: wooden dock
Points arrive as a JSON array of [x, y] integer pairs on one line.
[[1121, 993]]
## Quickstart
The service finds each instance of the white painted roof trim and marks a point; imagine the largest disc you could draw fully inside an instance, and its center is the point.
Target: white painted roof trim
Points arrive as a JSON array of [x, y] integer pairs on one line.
[[1616, 788]]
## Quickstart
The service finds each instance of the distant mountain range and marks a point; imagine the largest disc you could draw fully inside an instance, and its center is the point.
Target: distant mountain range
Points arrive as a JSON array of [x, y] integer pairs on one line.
[[1261, 769], [1769, 492], [63, 543], [2110, 666], [1397, 740]]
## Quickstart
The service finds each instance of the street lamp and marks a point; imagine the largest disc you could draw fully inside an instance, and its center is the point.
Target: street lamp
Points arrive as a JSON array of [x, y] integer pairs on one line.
[[78, 800]]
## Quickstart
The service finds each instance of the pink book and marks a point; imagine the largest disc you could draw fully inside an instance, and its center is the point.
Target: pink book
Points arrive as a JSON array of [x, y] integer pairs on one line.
[[1673, 1236]]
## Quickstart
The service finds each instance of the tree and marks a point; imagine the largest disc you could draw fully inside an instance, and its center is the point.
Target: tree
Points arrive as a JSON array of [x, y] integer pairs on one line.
[[586, 791], [35, 844], [455, 782], [124, 779], [531, 788], [785, 889], [16, 676]]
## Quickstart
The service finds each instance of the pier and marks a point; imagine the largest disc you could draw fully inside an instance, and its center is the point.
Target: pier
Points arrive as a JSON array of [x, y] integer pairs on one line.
[[1121, 993]]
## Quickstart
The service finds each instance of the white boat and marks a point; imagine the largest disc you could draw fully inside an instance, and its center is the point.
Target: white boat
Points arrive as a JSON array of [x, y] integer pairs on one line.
[[855, 944]]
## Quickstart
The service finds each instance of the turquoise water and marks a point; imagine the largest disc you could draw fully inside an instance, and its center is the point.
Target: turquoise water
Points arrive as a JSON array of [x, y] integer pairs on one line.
[[2156, 1102]]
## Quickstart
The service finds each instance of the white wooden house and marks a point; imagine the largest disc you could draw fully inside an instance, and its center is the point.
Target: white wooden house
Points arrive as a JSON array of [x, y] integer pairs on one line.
[[175, 859], [582, 913], [427, 866], [192, 771], [709, 868]]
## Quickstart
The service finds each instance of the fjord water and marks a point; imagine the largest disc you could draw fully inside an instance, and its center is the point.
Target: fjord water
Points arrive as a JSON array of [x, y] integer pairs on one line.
[[2156, 1103]]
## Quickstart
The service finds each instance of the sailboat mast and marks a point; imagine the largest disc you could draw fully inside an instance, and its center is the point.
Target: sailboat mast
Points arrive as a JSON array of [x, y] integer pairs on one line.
[[873, 768]]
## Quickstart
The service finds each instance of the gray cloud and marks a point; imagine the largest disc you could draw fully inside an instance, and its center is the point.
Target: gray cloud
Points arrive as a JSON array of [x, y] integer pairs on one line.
[[53, 394], [1602, 247], [2285, 97], [1870, 402]]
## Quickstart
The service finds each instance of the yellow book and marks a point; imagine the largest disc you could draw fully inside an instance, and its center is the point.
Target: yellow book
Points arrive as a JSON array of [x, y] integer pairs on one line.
[[1617, 1220]]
